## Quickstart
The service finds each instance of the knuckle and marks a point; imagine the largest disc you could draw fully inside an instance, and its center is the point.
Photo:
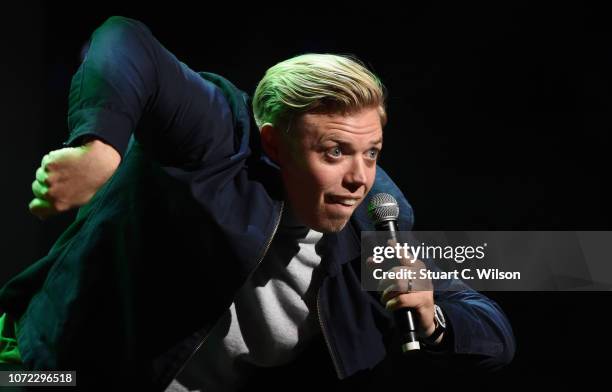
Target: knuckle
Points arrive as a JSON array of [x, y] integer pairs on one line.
[[38, 189], [40, 173], [51, 192], [419, 264], [51, 179]]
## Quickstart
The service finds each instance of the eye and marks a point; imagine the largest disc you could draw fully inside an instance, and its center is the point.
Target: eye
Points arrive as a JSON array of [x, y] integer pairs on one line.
[[334, 152], [373, 153]]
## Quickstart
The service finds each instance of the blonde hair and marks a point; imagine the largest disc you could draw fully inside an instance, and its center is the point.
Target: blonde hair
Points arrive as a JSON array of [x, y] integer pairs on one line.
[[316, 83]]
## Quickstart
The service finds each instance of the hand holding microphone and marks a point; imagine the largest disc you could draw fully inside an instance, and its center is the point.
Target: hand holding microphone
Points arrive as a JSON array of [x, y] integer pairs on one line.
[[413, 310]]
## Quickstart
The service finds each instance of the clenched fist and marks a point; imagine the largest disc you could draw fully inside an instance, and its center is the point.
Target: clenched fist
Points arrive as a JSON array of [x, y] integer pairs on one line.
[[69, 177], [416, 295]]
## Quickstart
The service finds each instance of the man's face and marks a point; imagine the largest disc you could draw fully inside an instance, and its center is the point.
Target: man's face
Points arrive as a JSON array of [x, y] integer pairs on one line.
[[328, 165]]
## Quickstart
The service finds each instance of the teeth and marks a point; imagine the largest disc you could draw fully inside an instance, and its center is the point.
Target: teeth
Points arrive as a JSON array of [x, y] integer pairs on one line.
[[348, 202]]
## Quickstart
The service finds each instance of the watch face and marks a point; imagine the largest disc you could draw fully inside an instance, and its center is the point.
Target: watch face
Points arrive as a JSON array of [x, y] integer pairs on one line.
[[440, 316]]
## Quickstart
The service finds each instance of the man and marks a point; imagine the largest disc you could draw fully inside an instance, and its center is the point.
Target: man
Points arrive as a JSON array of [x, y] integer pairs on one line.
[[200, 239]]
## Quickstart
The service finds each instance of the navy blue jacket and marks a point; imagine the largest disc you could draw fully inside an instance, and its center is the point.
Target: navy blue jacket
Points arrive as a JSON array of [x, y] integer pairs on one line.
[[155, 258]]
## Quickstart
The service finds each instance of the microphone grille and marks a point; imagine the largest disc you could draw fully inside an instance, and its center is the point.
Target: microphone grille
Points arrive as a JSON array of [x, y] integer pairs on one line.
[[383, 207]]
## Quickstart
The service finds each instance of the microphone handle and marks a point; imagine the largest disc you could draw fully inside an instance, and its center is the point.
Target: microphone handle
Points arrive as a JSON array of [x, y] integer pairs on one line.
[[389, 226], [403, 317], [405, 323]]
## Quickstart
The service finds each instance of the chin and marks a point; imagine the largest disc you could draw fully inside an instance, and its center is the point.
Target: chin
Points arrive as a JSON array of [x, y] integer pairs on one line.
[[330, 226], [325, 221]]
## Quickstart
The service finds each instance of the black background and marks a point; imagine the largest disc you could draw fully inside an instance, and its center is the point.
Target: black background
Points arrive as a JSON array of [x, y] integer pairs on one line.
[[499, 120]]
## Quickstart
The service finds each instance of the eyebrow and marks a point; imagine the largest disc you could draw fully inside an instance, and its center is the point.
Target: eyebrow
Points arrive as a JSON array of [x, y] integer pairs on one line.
[[334, 138], [375, 142]]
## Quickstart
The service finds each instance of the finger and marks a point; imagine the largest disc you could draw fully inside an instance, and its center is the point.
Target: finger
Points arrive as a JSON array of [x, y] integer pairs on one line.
[[397, 275], [408, 259], [392, 304], [41, 208], [410, 300], [402, 286], [388, 293], [44, 161], [38, 204], [414, 263], [41, 176], [39, 190]]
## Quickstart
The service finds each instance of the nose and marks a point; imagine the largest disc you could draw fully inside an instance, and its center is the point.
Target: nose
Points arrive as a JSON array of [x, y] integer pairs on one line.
[[356, 176]]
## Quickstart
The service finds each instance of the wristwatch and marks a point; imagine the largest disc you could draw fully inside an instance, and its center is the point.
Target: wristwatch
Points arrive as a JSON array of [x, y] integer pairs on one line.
[[440, 323]]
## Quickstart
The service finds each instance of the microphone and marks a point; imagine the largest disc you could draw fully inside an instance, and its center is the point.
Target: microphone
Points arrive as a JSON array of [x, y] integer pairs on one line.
[[384, 211]]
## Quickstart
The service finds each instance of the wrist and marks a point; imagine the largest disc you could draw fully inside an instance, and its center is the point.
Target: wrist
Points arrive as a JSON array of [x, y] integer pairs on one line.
[[104, 151], [435, 334]]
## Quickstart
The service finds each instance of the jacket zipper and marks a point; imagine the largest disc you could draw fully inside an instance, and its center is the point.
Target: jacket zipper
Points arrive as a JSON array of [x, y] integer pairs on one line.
[[331, 350], [197, 347]]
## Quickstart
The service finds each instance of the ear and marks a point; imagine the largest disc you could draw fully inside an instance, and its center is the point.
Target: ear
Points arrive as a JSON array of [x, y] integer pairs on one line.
[[270, 141]]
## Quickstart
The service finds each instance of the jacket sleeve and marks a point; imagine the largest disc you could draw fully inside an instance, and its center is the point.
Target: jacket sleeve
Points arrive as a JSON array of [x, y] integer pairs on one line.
[[480, 335], [129, 82], [480, 332]]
